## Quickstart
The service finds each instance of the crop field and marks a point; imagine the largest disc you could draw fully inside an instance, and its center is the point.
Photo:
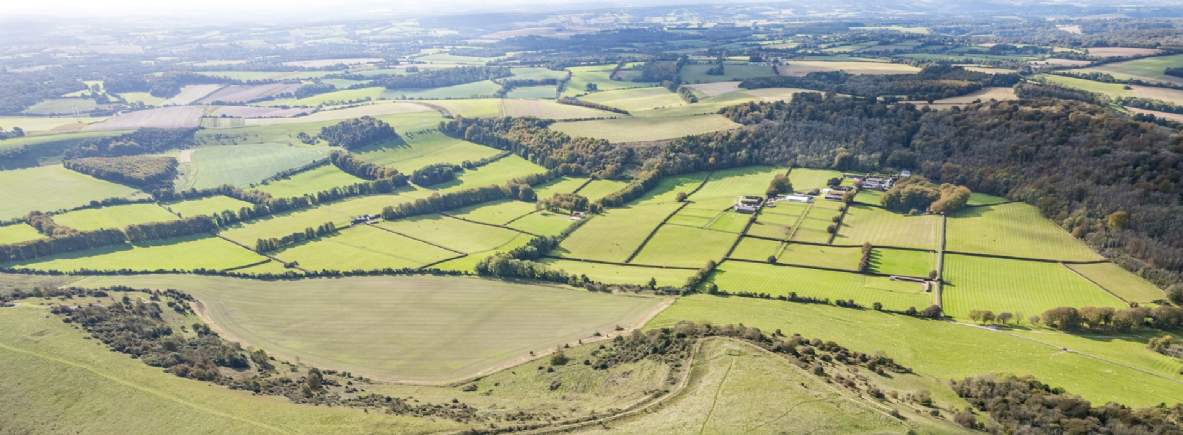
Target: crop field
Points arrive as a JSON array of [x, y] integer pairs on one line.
[[1121, 282], [62, 106], [803, 67], [16, 233], [1148, 69], [190, 94], [206, 206], [187, 253], [737, 276], [697, 73], [426, 149], [711, 105], [735, 387], [983, 95], [72, 384], [47, 124], [236, 94], [713, 89], [470, 108], [250, 76], [1027, 287], [548, 109], [636, 99], [161, 117], [363, 247], [420, 329], [330, 98], [821, 256], [621, 274], [880, 227], [242, 165], [902, 262], [814, 228], [454, 234], [479, 89], [311, 181], [676, 245], [953, 351], [1116, 90], [777, 220], [119, 216], [1015, 229], [635, 129], [1121, 51], [614, 235], [598, 75], [24, 190]]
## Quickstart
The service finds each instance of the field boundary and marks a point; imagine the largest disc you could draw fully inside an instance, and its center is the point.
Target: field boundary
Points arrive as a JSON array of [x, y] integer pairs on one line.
[[652, 233], [257, 263], [272, 257], [487, 224], [938, 294], [742, 233], [1086, 278], [416, 239], [614, 263], [581, 186], [838, 225], [1040, 260], [901, 248], [828, 269], [438, 262], [519, 217]]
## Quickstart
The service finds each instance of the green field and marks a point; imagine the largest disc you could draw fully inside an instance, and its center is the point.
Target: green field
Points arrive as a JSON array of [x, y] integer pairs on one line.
[[636, 99], [468, 90], [618, 274], [806, 179], [1015, 229], [902, 262], [735, 276], [814, 228], [735, 387], [1026, 287], [498, 172], [206, 206], [532, 92], [778, 219], [322, 178], [1120, 282], [423, 329], [978, 198], [454, 234], [614, 235], [70, 384], [675, 245], [47, 124], [119, 216], [561, 185], [666, 191], [619, 130], [62, 106], [731, 72], [1115, 369], [1117, 90], [25, 190], [496, 213], [424, 149], [1148, 69], [821, 256], [16, 233], [330, 98], [364, 248], [598, 75], [187, 253], [242, 165], [543, 223], [880, 227], [756, 249]]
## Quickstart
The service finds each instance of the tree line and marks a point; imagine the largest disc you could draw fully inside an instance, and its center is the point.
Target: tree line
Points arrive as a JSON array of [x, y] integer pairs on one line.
[[141, 141], [276, 243], [358, 132], [364, 169], [517, 189], [529, 138], [934, 82], [436, 78], [916, 194], [148, 173], [436, 173]]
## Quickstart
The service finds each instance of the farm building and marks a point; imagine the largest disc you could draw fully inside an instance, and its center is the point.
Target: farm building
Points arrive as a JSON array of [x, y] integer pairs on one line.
[[796, 198], [835, 195], [748, 204], [878, 183], [365, 218]]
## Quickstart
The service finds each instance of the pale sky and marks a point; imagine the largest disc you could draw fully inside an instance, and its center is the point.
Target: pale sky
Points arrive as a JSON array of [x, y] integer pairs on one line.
[[310, 8]]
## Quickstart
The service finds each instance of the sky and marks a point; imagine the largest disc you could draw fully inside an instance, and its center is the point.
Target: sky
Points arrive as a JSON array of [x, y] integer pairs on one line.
[[240, 8]]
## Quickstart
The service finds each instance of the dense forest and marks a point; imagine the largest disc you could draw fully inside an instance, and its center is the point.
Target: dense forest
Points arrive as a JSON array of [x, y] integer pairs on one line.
[[358, 132], [142, 141], [149, 173], [932, 83], [529, 138]]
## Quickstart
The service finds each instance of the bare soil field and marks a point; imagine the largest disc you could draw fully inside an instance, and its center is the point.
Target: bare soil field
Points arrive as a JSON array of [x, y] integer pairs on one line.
[[321, 63], [803, 67], [191, 93], [1121, 51], [714, 89], [164, 117], [258, 112], [248, 93]]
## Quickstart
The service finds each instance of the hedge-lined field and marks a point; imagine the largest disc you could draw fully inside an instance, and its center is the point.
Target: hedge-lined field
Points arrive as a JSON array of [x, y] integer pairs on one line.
[[186, 253], [1121, 282], [620, 274], [25, 190], [1015, 229], [363, 248], [118, 216], [734, 276], [880, 227], [902, 262], [425, 149], [1017, 286], [311, 181], [16, 233], [676, 245], [206, 206], [614, 235], [241, 165], [455, 234]]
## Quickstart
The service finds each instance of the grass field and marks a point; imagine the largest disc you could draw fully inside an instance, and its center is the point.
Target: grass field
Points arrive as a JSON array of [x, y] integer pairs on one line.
[[598, 75], [735, 276], [561, 185], [242, 165], [978, 198], [1116, 90], [697, 73], [364, 247], [16, 233], [322, 178], [619, 130], [479, 89], [186, 253], [71, 385], [637, 99], [1148, 68], [25, 190], [814, 228], [206, 206], [756, 249], [425, 149], [777, 220], [496, 213], [666, 191], [952, 351], [425, 329], [549, 109], [118, 216], [617, 274], [329, 98], [538, 92], [880, 227], [735, 387], [46, 124], [902, 262], [614, 235], [543, 223], [675, 245], [1015, 229], [1027, 287], [821, 256], [498, 172], [1120, 282], [451, 233], [62, 106], [806, 179]]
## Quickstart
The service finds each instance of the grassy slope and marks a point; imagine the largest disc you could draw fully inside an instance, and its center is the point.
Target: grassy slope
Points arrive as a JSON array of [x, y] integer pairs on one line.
[[119, 216], [1026, 287], [363, 247], [1121, 282], [241, 165], [207, 206], [16, 233], [24, 190], [416, 328], [424, 149], [1014, 229], [735, 276], [185, 253], [877, 226], [322, 178]]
